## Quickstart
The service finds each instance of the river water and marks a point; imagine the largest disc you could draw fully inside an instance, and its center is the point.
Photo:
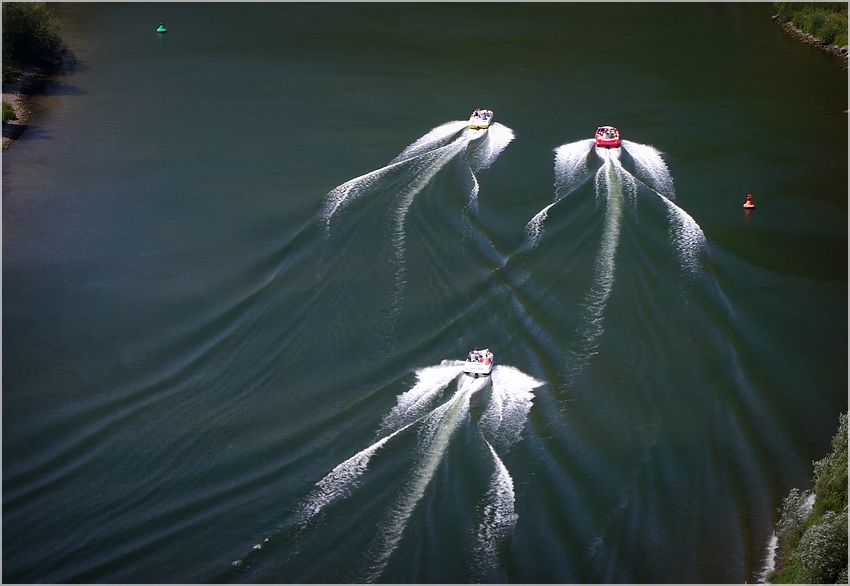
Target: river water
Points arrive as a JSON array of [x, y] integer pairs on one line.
[[243, 261]]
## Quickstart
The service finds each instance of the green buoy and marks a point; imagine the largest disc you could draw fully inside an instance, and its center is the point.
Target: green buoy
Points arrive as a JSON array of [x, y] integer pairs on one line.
[[161, 28]]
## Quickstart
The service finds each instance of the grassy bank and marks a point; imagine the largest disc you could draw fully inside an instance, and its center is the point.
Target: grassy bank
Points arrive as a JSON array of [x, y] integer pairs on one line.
[[824, 22], [812, 540]]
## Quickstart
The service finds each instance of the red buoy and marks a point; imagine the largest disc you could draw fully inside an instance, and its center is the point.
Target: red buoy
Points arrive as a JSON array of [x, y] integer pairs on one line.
[[749, 203]]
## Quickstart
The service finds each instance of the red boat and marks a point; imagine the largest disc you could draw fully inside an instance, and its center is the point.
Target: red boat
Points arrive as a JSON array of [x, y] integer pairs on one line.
[[607, 137]]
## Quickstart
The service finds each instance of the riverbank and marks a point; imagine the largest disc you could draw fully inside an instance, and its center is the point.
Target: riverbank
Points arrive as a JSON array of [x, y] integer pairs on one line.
[[32, 48], [811, 533], [17, 93], [809, 39]]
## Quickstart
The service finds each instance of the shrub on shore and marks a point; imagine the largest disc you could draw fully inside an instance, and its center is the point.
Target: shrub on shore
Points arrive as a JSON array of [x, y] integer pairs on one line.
[[8, 112], [31, 35], [813, 542], [826, 21]]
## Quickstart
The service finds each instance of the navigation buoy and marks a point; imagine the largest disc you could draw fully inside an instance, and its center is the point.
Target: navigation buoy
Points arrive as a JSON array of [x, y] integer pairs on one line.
[[161, 28], [749, 203]]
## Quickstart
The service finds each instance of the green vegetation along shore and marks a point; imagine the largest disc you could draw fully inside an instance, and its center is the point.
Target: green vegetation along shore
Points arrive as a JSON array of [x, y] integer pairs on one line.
[[812, 529], [823, 24], [32, 35], [32, 48]]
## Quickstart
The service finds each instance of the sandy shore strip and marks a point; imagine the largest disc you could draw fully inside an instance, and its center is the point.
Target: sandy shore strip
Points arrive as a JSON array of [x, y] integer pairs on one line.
[[17, 93]]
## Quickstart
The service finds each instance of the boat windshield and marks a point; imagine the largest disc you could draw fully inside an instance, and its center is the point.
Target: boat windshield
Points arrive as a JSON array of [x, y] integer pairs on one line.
[[607, 132]]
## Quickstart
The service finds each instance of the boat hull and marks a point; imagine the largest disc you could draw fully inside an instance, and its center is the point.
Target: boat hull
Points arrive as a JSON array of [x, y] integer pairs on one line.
[[608, 144], [477, 122], [477, 368]]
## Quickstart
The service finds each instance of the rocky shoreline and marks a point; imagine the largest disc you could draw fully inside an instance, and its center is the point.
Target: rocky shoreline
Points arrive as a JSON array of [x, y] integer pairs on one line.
[[17, 93], [810, 40]]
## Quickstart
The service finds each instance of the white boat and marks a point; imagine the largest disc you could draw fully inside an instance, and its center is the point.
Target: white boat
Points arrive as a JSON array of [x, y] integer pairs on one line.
[[479, 362], [481, 118]]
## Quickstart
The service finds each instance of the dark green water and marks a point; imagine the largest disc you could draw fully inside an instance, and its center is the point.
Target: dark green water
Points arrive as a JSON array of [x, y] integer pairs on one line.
[[234, 300]]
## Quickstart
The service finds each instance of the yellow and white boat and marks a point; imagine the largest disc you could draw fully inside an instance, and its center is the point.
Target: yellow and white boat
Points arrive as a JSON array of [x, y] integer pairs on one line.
[[481, 119]]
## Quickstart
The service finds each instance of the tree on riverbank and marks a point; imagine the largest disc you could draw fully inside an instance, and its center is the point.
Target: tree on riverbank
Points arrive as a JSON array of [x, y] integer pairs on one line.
[[813, 539], [32, 35]]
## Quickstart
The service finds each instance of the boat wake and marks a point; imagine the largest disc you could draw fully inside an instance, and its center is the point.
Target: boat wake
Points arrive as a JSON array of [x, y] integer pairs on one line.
[[615, 185], [377, 503], [409, 173], [610, 181], [434, 419], [417, 164]]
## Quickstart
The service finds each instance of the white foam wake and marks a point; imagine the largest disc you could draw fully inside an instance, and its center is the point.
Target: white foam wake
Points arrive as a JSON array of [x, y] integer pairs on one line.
[[423, 148], [571, 171], [650, 167], [686, 235], [571, 166], [431, 163], [609, 183], [502, 423], [343, 194], [472, 202], [411, 408], [498, 515], [534, 228], [440, 426], [511, 398], [437, 137], [487, 150], [410, 172], [430, 383], [341, 481]]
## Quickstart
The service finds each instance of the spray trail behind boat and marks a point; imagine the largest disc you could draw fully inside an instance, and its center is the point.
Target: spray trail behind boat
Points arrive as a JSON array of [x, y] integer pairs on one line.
[[481, 147], [686, 234], [440, 425], [498, 518], [614, 184], [610, 181], [420, 410], [420, 161], [343, 195], [571, 171], [406, 176]]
